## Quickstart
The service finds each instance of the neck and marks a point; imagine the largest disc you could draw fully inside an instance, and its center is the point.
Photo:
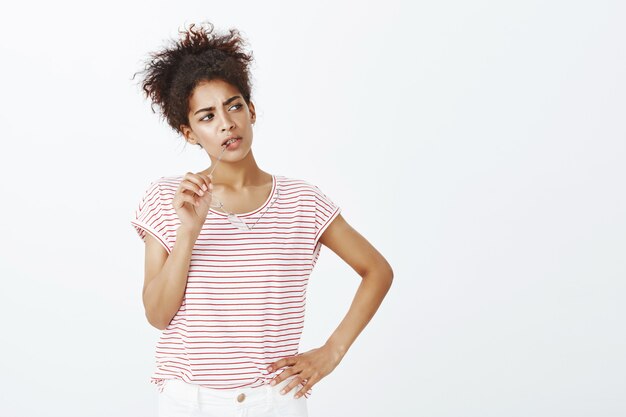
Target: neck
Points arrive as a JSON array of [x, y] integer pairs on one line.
[[236, 175]]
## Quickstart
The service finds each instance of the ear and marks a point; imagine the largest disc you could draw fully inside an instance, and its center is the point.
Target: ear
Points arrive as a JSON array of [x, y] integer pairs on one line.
[[186, 131]]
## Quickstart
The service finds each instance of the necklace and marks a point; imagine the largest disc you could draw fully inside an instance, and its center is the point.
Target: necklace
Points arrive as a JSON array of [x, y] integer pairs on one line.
[[232, 217], [238, 221]]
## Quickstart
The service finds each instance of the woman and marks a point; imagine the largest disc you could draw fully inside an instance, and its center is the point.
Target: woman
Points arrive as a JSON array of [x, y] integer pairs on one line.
[[228, 250]]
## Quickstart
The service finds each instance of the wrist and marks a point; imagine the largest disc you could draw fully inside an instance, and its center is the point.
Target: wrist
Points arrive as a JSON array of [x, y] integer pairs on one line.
[[337, 348]]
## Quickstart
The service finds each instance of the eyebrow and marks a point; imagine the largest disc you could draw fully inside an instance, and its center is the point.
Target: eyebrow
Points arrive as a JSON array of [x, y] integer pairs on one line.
[[213, 108]]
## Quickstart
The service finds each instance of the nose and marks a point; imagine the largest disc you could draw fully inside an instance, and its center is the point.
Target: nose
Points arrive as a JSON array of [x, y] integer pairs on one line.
[[227, 123]]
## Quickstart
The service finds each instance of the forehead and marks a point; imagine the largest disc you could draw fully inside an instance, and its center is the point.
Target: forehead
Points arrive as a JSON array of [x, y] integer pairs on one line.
[[211, 93]]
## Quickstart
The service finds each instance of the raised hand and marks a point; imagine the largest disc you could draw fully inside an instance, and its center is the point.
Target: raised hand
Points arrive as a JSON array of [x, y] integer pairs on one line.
[[193, 199]]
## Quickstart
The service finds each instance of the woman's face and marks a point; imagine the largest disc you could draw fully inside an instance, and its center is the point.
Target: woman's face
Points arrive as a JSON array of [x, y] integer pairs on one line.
[[217, 110]]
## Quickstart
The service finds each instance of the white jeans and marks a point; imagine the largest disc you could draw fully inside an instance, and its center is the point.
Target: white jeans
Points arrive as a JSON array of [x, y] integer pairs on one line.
[[181, 399]]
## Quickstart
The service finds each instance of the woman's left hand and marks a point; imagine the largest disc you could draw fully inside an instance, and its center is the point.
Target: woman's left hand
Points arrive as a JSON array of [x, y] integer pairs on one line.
[[311, 366]]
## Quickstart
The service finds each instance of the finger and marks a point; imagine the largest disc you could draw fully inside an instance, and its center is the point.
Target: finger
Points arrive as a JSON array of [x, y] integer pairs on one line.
[[191, 199], [289, 360], [204, 181], [292, 384], [185, 198], [276, 365], [282, 376], [194, 178], [191, 186], [208, 181], [306, 387]]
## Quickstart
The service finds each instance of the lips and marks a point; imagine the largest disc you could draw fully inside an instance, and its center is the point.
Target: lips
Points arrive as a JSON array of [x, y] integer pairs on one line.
[[229, 138]]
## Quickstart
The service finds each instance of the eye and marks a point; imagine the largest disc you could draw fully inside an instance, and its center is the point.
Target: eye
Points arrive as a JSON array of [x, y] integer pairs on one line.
[[238, 105]]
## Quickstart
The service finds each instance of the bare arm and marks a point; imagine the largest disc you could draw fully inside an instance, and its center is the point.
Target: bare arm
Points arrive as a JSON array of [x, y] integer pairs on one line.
[[166, 277], [376, 274]]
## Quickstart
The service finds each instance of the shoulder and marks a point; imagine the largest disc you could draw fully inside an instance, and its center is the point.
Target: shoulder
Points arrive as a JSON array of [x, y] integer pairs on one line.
[[162, 188], [291, 185], [168, 184]]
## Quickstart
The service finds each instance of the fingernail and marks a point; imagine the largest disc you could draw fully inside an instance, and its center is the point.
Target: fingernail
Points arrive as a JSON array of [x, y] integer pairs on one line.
[[283, 391], [204, 187], [273, 382], [270, 369]]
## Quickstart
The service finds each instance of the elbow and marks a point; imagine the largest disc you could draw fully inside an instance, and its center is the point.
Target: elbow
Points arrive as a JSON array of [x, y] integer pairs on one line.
[[386, 271], [152, 321], [387, 274], [157, 312], [382, 273], [156, 322], [154, 314], [158, 325]]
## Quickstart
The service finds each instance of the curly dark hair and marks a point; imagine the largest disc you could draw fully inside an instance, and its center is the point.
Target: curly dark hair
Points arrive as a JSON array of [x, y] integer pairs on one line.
[[200, 55]]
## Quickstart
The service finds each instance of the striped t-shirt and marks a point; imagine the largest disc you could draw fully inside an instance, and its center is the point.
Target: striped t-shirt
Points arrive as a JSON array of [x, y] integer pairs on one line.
[[245, 297]]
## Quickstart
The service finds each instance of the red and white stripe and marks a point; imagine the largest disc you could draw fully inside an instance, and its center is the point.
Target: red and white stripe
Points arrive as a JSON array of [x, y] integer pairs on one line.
[[246, 290]]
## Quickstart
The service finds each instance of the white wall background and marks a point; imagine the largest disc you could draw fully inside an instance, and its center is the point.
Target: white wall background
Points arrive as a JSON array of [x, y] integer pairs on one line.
[[480, 146]]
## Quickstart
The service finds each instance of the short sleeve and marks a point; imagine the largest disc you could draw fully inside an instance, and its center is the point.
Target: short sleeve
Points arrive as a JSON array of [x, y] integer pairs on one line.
[[148, 216], [325, 212]]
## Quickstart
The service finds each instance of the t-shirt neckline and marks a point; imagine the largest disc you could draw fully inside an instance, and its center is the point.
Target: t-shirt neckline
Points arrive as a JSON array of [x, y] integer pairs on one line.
[[269, 198]]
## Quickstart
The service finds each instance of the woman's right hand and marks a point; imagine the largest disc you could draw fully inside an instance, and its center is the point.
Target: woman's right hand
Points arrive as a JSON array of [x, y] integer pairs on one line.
[[193, 199]]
